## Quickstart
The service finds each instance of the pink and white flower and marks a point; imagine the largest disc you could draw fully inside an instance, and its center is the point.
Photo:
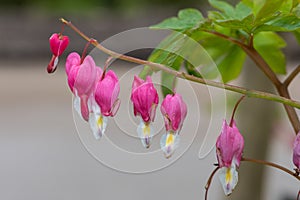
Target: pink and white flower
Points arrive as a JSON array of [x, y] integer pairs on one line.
[[145, 99], [174, 111], [58, 44], [105, 103], [82, 78], [229, 147]]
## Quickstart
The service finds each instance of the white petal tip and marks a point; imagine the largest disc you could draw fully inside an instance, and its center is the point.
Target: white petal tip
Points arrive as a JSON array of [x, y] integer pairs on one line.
[[228, 178]]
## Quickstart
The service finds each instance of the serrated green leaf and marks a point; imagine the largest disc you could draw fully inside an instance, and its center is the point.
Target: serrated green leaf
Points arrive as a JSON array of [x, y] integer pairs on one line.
[[187, 18], [226, 8], [230, 67], [239, 12], [245, 24], [269, 45]]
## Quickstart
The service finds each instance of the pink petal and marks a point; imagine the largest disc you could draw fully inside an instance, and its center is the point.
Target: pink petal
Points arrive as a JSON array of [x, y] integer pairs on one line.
[[296, 151], [58, 44], [73, 59], [86, 77], [107, 91], [174, 111], [143, 97], [230, 145]]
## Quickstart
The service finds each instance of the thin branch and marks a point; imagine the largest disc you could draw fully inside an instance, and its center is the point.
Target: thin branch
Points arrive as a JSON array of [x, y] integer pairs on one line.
[[209, 181], [292, 75], [226, 37], [235, 108], [241, 90], [294, 174]]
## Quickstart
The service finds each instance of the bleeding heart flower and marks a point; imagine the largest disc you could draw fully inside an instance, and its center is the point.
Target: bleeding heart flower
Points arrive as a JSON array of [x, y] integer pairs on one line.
[[296, 152], [174, 111], [230, 145], [106, 102], [58, 44], [82, 78], [145, 99]]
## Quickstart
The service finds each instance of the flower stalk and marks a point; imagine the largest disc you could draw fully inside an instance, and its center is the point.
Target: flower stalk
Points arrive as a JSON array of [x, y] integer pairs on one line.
[[270, 164], [237, 89]]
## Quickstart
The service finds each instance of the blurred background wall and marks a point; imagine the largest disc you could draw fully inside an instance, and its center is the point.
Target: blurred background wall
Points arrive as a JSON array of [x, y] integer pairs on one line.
[[40, 152]]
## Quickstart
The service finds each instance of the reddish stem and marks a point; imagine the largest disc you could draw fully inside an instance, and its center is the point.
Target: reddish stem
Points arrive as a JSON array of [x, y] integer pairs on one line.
[[235, 108], [209, 181], [107, 63], [83, 55]]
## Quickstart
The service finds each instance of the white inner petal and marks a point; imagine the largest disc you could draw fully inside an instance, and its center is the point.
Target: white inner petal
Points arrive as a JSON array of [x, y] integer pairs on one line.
[[228, 177]]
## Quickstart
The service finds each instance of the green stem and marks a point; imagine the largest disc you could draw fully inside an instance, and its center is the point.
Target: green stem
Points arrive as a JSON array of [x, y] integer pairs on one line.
[[241, 90], [294, 174]]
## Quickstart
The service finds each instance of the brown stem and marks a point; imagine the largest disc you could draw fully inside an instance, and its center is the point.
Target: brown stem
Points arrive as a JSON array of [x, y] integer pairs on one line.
[[234, 109], [291, 77], [209, 181], [291, 112], [294, 174]]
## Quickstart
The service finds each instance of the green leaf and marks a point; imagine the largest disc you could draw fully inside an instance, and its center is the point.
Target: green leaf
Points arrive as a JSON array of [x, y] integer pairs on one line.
[[245, 24], [228, 57], [162, 52], [242, 11], [191, 69], [231, 65], [239, 12], [226, 8], [297, 35], [282, 23], [168, 79], [269, 8], [187, 18], [269, 45]]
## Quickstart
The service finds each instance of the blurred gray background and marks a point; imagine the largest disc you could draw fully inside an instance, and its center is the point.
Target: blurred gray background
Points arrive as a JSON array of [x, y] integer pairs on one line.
[[41, 155]]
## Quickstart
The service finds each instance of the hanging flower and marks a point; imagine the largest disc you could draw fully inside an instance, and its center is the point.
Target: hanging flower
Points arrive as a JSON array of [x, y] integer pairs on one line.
[[230, 145], [58, 44], [145, 99], [105, 103], [174, 111], [296, 153], [82, 78]]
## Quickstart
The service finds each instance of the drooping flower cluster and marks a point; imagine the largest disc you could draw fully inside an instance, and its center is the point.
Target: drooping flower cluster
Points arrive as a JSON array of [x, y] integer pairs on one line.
[[95, 91], [145, 99], [96, 97], [229, 147]]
